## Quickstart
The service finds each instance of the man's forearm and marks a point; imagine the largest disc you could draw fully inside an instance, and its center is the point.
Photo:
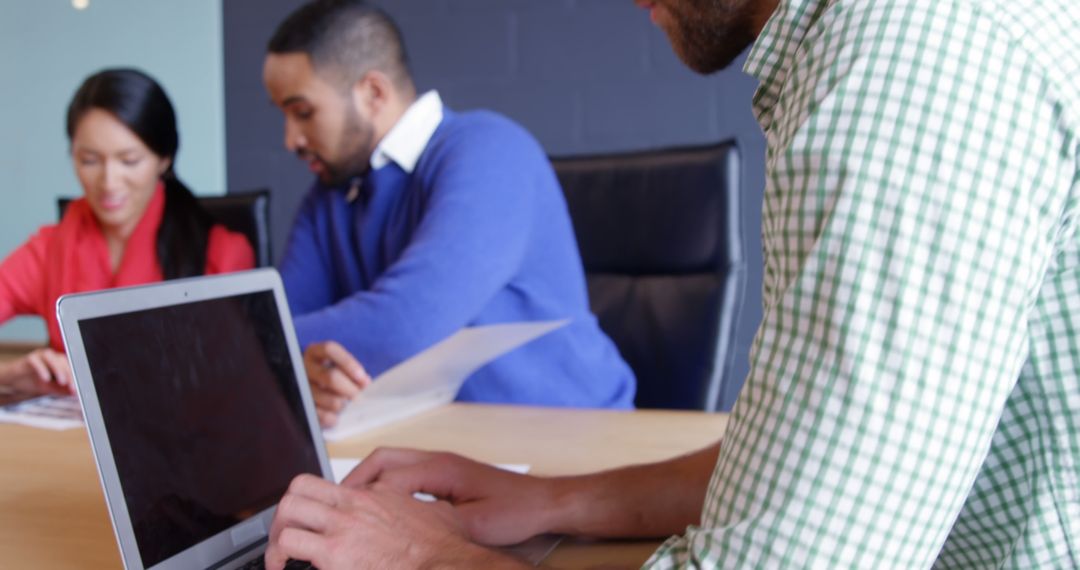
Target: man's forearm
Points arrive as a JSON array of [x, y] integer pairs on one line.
[[654, 500]]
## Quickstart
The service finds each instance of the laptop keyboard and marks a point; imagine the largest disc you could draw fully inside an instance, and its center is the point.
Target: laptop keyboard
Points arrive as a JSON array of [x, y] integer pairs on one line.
[[259, 564]]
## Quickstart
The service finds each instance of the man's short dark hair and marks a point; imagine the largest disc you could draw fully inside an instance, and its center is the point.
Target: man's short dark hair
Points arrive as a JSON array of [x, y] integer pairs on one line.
[[344, 40]]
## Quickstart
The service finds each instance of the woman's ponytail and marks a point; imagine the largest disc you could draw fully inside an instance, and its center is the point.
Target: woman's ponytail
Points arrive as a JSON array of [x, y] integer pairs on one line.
[[184, 233]]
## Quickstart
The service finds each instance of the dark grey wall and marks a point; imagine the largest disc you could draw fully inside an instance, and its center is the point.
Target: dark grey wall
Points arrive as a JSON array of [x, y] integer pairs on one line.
[[585, 76]]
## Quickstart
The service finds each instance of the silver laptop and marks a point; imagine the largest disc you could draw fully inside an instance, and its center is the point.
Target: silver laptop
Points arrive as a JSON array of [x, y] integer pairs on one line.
[[198, 411]]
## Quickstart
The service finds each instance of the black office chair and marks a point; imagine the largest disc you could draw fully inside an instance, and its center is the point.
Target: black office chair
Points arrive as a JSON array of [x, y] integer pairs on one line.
[[244, 212], [661, 240]]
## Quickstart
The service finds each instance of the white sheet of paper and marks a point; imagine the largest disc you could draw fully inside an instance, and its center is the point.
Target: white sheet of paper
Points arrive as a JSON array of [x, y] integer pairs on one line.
[[434, 376], [342, 466], [46, 412]]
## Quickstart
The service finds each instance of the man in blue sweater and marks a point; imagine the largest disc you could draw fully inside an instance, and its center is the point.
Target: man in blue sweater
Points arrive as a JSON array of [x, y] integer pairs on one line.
[[422, 221]]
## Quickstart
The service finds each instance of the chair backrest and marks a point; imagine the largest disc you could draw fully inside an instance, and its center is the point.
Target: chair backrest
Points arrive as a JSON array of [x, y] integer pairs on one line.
[[661, 241], [245, 212]]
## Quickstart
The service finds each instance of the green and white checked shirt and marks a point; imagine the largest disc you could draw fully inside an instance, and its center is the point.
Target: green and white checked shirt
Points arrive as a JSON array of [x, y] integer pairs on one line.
[[914, 395]]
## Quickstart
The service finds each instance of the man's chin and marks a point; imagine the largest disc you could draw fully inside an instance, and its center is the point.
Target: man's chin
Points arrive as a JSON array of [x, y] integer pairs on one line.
[[710, 44], [707, 61], [329, 180]]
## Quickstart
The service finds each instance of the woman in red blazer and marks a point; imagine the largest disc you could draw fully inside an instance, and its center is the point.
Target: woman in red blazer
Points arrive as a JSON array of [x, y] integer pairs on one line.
[[136, 222]]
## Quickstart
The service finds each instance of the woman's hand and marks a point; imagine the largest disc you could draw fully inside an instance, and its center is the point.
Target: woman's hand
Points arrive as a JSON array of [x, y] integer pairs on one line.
[[41, 372]]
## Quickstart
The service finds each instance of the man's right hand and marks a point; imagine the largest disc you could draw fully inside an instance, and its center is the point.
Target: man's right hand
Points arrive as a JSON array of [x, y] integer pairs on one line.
[[496, 507], [335, 376]]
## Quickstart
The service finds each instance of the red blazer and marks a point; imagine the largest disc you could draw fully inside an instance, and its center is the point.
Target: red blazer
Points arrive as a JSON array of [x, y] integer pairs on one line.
[[72, 257]]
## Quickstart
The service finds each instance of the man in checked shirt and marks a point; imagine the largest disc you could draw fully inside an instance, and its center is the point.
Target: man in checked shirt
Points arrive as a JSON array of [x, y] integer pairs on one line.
[[914, 393]]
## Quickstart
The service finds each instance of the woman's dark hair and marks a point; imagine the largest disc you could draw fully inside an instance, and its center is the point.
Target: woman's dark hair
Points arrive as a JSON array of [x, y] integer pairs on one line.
[[141, 104]]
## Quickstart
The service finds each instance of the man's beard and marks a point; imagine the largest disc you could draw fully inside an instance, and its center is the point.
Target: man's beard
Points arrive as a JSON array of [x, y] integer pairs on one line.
[[357, 144], [710, 34]]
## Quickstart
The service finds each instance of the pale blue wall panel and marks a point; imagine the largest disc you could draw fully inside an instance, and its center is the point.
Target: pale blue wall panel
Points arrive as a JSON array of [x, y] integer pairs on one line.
[[47, 47]]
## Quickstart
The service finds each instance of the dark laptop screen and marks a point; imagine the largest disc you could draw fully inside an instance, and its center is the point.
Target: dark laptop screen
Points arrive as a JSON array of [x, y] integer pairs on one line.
[[203, 414]]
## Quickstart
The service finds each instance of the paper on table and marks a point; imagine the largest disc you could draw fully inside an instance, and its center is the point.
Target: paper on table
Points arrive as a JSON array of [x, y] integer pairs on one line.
[[434, 376], [47, 412], [342, 466]]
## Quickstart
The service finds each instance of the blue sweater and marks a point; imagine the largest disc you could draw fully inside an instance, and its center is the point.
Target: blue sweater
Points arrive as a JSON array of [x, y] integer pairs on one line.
[[479, 233]]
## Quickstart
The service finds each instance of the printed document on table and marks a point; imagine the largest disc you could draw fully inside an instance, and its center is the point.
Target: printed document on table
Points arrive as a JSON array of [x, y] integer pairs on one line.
[[434, 376], [46, 412]]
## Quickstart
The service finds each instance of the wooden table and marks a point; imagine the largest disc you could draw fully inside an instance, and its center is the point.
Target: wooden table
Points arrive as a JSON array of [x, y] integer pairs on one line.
[[52, 511]]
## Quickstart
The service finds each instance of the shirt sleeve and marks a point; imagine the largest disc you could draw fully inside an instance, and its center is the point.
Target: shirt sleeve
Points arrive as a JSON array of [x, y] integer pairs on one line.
[[468, 245], [305, 268], [22, 276], [912, 204], [228, 251]]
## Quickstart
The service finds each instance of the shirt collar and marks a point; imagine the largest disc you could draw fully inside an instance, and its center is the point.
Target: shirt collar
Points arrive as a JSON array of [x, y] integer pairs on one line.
[[776, 49], [409, 137]]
